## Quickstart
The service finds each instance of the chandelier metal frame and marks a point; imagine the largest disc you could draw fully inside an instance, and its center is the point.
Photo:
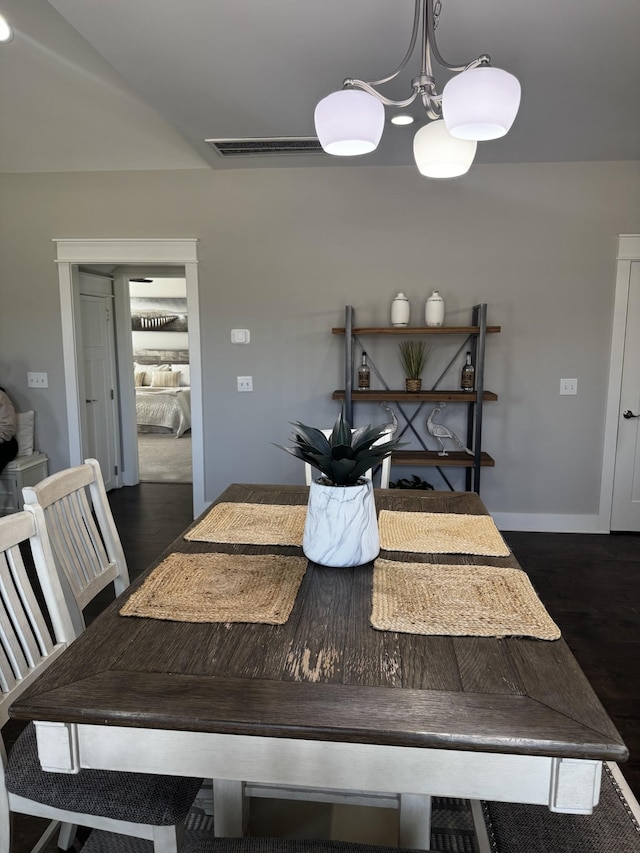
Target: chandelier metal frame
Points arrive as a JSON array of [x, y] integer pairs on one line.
[[424, 84]]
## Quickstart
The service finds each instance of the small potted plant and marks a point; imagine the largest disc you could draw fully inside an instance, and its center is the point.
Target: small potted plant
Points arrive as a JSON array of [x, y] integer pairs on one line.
[[341, 528], [413, 357]]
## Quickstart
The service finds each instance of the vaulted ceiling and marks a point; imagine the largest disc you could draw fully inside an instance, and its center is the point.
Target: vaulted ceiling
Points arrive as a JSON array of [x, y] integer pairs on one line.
[[115, 84]]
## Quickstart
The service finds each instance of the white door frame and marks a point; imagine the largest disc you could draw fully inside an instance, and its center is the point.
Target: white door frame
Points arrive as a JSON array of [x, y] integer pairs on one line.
[[628, 252], [170, 251]]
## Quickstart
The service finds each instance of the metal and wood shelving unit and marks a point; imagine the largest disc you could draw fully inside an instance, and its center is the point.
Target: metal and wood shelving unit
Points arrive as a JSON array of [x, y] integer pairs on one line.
[[474, 339]]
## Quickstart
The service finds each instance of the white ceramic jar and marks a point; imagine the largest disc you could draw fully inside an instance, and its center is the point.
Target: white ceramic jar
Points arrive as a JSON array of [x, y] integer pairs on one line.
[[400, 310], [434, 310]]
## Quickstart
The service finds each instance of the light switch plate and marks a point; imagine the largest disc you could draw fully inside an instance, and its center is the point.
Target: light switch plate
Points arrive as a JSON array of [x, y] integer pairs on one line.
[[240, 336], [37, 380], [568, 386], [245, 383]]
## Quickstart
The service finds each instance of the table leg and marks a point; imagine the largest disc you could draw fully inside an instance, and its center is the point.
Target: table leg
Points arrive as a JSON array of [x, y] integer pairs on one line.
[[228, 808], [415, 821]]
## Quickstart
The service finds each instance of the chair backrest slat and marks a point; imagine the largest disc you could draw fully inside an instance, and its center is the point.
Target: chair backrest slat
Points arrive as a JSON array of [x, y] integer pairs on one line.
[[76, 542], [26, 642], [7, 678], [20, 598], [75, 519]]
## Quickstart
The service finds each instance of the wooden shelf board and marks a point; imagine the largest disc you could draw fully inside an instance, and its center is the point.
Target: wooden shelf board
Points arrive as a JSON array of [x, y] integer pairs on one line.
[[416, 330], [382, 396], [454, 459]]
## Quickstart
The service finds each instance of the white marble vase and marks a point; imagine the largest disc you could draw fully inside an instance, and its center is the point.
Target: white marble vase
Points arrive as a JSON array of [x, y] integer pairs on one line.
[[341, 528]]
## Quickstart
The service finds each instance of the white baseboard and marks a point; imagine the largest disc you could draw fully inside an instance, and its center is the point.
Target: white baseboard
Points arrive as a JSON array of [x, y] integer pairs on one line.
[[547, 523]]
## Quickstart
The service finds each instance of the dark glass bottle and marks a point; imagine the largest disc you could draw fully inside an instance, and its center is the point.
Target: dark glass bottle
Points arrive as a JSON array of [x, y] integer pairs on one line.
[[468, 375], [364, 374]]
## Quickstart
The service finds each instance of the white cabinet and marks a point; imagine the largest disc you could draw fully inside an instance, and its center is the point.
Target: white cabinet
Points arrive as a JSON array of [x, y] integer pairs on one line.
[[23, 471]]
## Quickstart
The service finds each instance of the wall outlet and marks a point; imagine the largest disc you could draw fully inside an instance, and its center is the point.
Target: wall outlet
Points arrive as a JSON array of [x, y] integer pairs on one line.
[[568, 386], [245, 383], [37, 380]]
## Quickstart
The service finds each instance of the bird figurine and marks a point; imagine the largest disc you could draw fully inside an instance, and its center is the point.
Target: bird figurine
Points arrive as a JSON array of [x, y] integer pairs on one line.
[[392, 426], [439, 431]]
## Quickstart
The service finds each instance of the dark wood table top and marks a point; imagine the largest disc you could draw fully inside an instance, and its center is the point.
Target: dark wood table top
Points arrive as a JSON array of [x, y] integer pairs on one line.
[[327, 674]]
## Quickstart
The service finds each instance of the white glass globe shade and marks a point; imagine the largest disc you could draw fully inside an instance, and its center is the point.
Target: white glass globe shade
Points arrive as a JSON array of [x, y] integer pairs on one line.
[[480, 103], [6, 33], [440, 155], [349, 122]]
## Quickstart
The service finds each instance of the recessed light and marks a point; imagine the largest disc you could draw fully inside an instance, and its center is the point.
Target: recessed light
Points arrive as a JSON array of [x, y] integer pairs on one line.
[[402, 119], [6, 32]]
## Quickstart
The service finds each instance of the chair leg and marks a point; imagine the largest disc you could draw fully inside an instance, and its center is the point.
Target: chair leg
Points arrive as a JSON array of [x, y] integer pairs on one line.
[[168, 839], [67, 835], [5, 823], [482, 836], [46, 837]]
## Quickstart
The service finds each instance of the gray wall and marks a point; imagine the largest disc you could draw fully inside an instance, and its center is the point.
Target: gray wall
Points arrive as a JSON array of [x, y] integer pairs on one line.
[[281, 253]]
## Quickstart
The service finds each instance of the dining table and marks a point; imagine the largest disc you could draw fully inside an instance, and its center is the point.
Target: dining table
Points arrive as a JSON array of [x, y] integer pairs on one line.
[[343, 691]]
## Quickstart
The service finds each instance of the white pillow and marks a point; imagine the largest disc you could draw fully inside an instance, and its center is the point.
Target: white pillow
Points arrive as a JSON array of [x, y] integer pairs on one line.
[[185, 378], [164, 379], [148, 370], [25, 424]]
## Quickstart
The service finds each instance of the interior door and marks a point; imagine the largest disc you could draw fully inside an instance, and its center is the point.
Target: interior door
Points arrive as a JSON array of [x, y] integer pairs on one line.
[[625, 510], [101, 399]]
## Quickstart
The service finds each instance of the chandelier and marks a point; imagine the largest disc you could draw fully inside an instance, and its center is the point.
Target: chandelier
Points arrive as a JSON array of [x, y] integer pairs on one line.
[[477, 104]]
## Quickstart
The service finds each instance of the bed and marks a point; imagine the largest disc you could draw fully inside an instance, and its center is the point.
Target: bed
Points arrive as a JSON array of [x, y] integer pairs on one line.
[[163, 396]]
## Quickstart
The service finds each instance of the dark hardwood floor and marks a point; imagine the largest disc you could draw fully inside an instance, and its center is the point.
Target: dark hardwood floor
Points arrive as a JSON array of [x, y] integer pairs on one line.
[[589, 583]]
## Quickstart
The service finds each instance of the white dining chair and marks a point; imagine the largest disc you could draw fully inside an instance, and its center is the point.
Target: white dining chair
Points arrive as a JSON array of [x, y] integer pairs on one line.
[[385, 468], [73, 513], [140, 805]]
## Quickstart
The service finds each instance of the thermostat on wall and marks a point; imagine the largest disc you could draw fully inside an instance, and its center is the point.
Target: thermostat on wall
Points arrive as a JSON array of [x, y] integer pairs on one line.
[[240, 336]]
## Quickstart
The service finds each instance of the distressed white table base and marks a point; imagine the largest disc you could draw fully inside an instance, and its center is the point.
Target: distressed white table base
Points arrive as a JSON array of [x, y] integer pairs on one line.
[[564, 785]]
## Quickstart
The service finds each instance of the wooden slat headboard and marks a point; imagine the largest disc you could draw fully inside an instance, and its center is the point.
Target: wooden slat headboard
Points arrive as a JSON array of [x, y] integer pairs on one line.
[[161, 356]]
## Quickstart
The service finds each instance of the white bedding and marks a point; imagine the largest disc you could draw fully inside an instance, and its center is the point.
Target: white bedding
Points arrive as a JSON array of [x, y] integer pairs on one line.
[[164, 407]]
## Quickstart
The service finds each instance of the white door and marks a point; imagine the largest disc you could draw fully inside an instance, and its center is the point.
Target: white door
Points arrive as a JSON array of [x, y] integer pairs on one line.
[[625, 511], [101, 400]]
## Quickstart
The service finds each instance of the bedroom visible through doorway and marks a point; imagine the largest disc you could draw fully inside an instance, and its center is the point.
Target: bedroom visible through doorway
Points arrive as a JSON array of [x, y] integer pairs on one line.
[[161, 371]]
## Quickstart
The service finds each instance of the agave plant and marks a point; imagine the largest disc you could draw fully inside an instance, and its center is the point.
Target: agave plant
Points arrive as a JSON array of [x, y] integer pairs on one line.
[[345, 455]]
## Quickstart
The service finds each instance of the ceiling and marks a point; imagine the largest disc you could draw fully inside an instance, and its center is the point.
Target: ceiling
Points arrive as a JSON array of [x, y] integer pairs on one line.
[[96, 85]]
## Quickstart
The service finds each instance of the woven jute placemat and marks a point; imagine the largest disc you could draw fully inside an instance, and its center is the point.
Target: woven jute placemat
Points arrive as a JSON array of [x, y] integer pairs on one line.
[[459, 601], [251, 524], [441, 533], [219, 588]]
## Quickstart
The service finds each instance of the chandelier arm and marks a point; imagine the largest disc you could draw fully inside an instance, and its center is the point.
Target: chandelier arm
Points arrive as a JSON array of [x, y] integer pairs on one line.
[[432, 106], [426, 65], [433, 45], [407, 57], [350, 83]]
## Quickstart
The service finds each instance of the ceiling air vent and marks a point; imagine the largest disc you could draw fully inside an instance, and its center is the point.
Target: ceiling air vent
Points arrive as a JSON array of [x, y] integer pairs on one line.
[[259, 146]]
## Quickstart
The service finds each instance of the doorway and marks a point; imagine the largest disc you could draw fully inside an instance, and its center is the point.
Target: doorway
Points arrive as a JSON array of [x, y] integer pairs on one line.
[[625, 507], [620, 490], [125, 254], [161, 375]]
